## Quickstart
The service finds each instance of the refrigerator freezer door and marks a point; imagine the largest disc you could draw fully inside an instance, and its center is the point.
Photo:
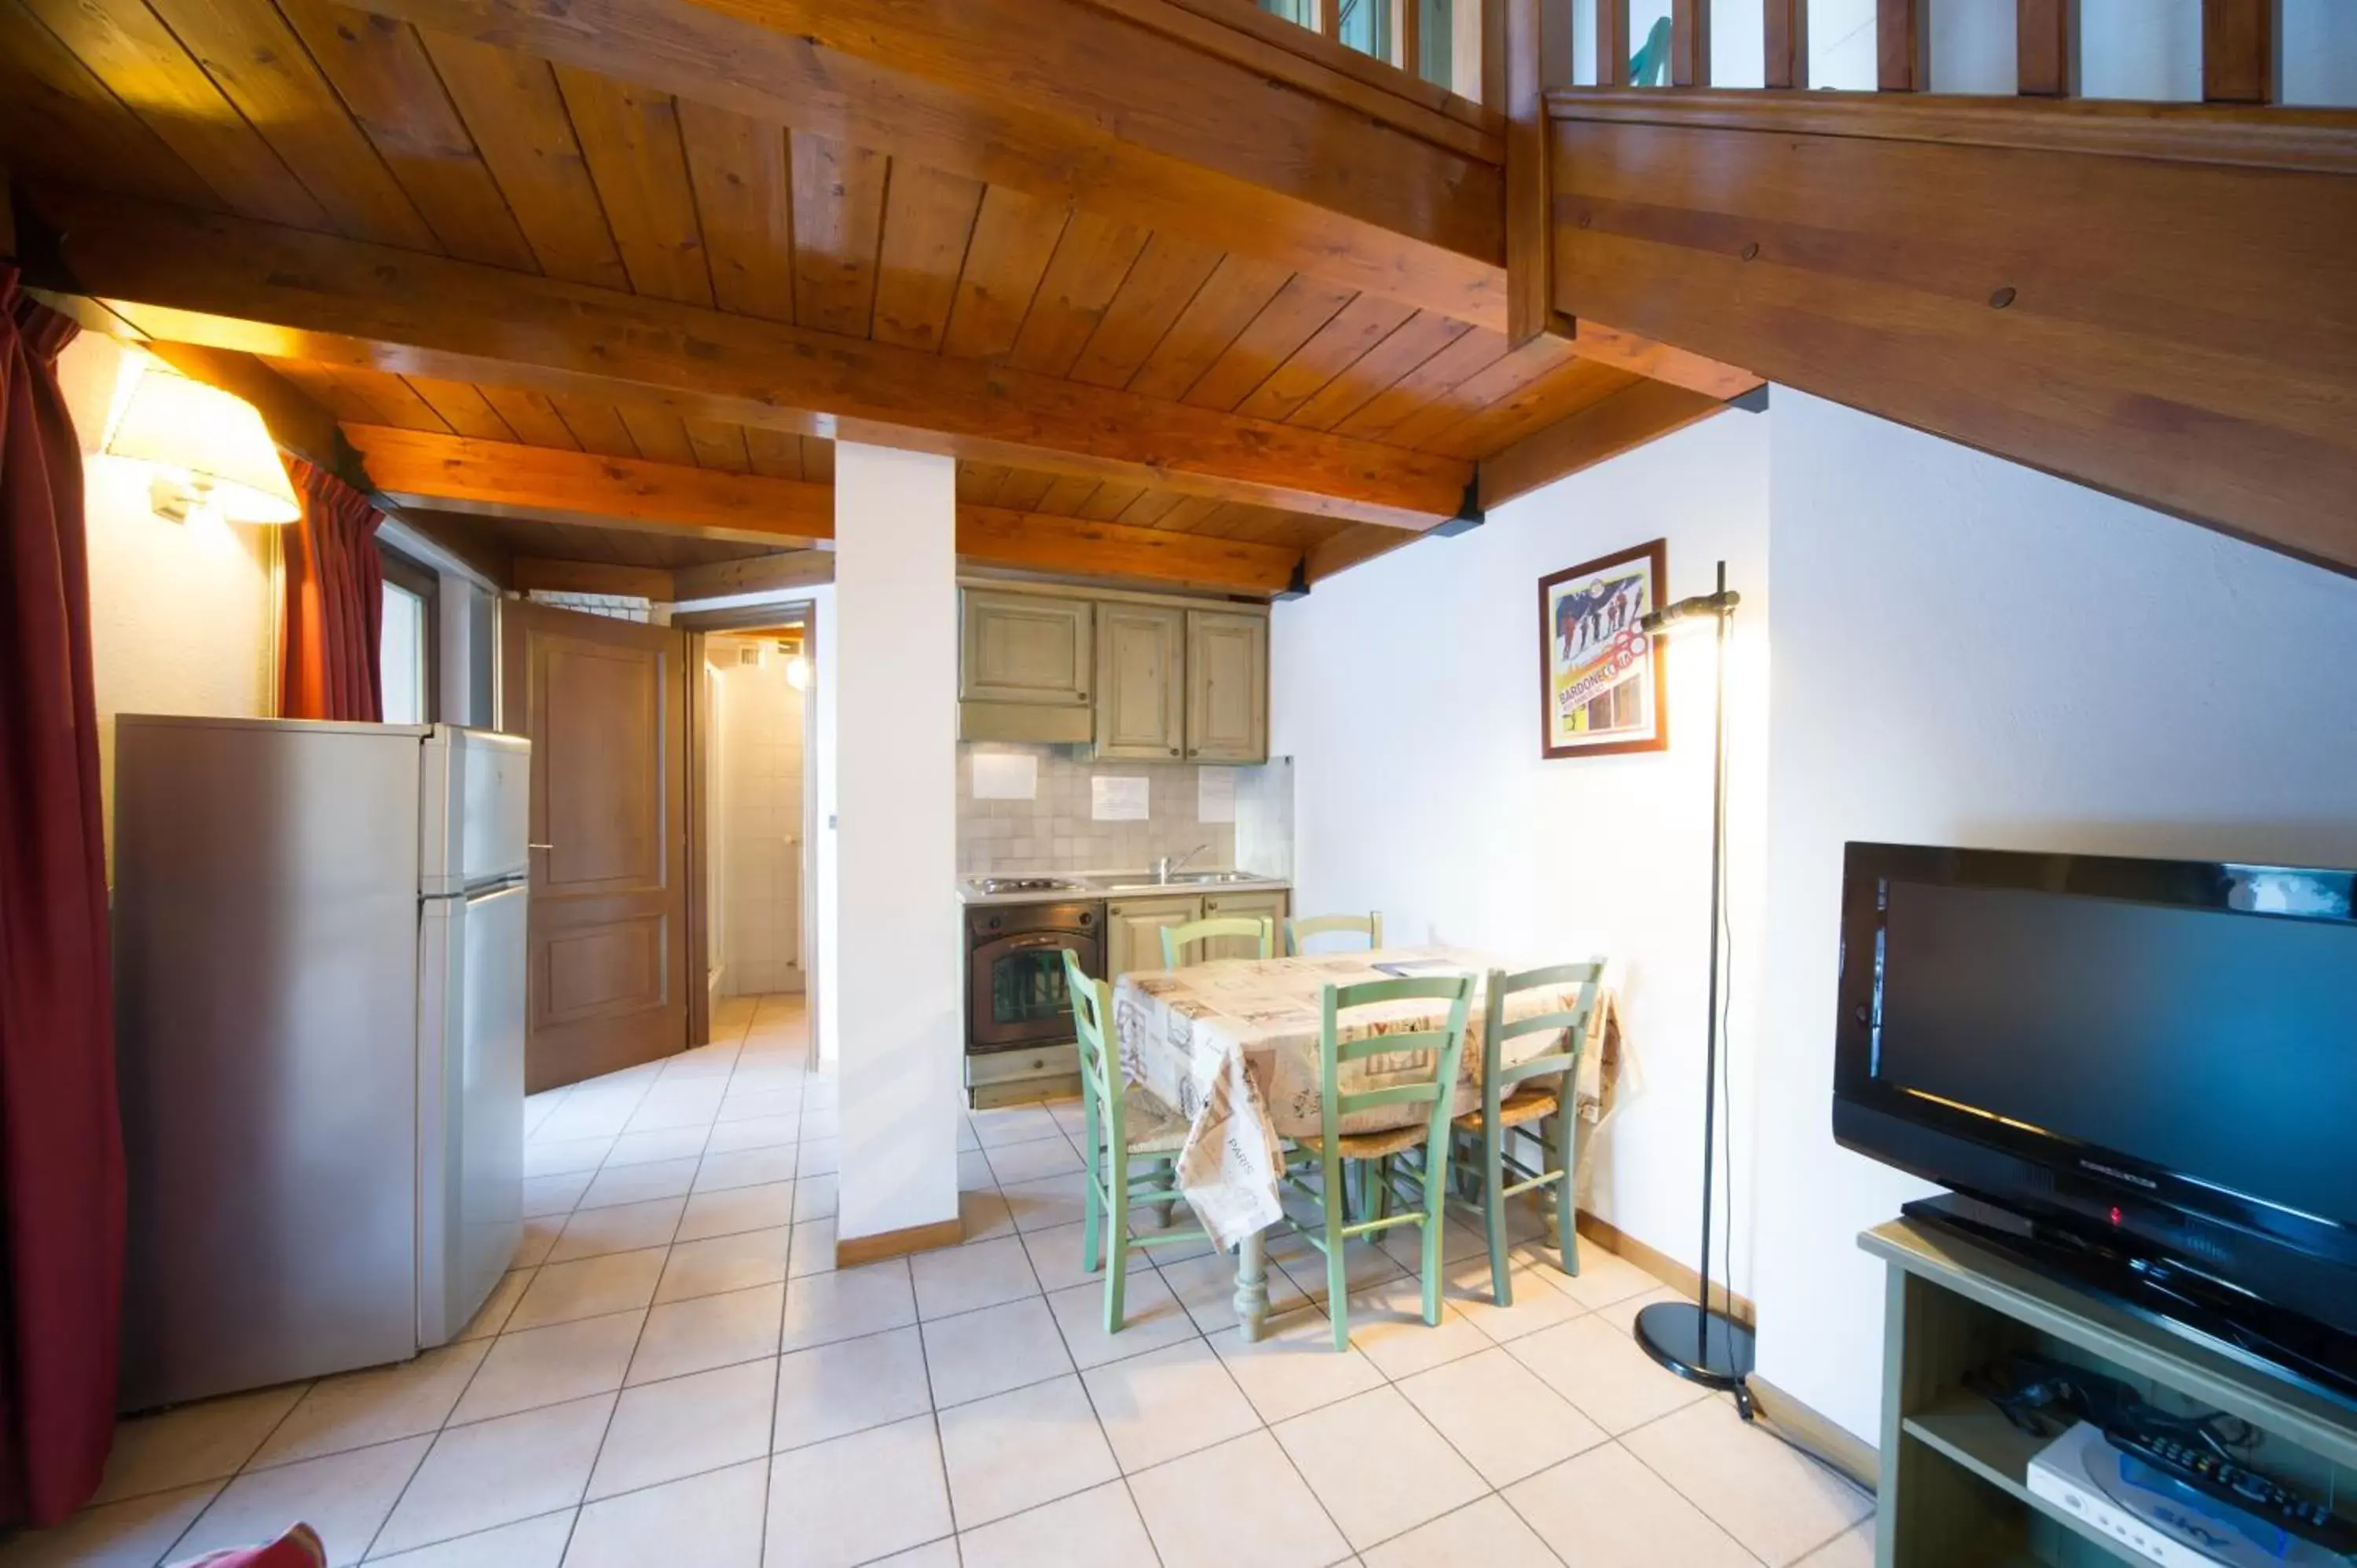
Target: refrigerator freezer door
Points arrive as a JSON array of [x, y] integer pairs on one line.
[[265, 930], [471, 1103], [478, 803]]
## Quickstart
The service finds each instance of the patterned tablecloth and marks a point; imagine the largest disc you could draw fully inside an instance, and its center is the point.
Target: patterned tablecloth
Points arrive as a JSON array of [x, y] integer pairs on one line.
[[1232, 1046]]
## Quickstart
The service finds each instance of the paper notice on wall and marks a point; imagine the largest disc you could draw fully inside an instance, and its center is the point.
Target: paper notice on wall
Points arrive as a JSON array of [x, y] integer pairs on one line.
[[1116, 800], [1215, 794], [1005, 775]]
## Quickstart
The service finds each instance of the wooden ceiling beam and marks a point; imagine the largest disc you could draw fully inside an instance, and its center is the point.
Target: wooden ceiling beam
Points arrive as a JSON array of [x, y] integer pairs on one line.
[[593, 577], [459, 473], [1105, 105], [230, 282], [753, 574]]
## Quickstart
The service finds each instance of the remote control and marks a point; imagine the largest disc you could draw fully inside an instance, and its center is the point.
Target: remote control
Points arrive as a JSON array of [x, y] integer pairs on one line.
[[2245, 1489]]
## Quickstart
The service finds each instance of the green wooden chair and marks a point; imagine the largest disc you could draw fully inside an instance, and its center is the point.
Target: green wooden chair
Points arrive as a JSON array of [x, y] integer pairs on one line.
[[1515, 1096], [1177, 940], [1116, 1131], [1331, 1147], [1650, 66], [1299, 931]]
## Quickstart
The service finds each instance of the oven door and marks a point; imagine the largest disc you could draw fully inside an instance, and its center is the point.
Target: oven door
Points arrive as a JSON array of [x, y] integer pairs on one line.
[[1015, 995]]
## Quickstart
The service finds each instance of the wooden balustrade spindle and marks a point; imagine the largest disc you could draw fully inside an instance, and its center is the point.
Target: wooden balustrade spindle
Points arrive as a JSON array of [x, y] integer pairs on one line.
[[2241, 43], [2046, 39], [1902, 38], [1611, 43], [1689, 43], [1787, 36]]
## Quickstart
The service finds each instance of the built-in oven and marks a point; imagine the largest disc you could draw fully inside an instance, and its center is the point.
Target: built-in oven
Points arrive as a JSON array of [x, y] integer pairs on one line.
[[1015, 971]]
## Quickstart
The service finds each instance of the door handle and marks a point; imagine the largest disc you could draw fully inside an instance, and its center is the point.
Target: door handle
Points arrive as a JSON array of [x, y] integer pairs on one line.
[[540, 846]]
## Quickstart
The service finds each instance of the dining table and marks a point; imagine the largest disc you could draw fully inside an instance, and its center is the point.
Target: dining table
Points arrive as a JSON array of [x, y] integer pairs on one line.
[[1233, 1047]]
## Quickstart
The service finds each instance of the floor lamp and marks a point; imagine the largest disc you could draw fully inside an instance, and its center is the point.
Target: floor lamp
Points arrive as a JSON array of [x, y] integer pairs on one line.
[[1692, 1339]]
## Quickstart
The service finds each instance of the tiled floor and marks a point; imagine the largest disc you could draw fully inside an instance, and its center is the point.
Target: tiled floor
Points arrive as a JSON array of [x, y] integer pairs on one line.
[[676, 1375]]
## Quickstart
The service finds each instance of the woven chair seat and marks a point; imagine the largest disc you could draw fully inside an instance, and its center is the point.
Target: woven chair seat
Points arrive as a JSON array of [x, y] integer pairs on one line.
[[1367, 1145], [1153, 1127], [1530, 1105]]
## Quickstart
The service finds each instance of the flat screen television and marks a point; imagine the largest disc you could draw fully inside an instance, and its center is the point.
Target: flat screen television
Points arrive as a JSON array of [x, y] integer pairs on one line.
[[2140, 1073]]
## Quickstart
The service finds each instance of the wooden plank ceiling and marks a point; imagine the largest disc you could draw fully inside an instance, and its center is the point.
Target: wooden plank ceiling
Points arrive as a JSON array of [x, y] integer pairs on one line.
[[303, 115]]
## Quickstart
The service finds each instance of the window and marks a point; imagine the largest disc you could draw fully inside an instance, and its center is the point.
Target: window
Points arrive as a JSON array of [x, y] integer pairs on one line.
[[407, 644]]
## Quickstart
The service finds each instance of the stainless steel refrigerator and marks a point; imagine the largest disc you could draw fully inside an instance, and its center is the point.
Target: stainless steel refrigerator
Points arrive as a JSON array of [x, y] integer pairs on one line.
[[319, 996]]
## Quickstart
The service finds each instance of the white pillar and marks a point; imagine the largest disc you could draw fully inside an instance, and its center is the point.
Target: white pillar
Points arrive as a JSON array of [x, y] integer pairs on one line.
[[897, 1003]]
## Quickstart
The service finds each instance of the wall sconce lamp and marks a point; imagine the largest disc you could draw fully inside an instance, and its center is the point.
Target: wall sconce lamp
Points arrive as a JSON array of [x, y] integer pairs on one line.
[[209, 452]]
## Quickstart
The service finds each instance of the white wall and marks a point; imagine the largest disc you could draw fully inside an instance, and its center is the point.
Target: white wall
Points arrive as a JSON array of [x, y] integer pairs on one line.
[[757, 764], [184, 618], [826, 905], [1407, 691], [1968, 653], [895, 749]]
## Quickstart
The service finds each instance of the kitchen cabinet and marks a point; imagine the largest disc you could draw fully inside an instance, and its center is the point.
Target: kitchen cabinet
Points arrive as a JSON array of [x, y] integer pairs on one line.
[[1247, 906], [1227, 687], [1134, 930], [1024, 667], [1141, 683]]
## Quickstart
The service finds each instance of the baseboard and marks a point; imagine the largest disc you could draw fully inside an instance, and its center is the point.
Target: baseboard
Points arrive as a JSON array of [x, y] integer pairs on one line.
[[852, 1251], [1661, 1265], [1829, 1440]]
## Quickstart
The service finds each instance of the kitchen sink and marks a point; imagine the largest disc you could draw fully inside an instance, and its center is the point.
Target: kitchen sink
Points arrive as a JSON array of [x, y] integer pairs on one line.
[[1213, 878], [1139, 881]]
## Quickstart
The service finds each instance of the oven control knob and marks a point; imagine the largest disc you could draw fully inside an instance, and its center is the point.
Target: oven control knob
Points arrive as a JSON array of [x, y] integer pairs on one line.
[[1088, 919], [995, 922]]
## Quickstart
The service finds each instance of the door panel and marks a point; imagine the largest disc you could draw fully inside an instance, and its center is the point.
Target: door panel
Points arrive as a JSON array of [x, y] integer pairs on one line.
[[604, 703], [1020, 649], [1134, 931], [1141, 682], [1250, 906], [1227, 687]]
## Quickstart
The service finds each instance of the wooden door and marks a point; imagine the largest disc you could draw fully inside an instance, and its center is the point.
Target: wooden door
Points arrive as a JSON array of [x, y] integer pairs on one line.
[[1141, 682], [1227, 687], [605, 704], [1248, 905], [1134, 931], [1016, 647]]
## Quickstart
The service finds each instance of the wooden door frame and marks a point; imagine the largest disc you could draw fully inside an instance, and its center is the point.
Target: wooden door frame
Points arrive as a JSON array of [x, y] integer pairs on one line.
[[744, 620]]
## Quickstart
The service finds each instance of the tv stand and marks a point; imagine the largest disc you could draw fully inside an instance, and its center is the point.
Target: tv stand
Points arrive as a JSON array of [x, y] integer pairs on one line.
[[1954, 1490]]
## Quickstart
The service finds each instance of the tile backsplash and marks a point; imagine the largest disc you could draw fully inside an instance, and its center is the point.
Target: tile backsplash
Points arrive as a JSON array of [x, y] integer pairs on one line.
[[1055, 831]]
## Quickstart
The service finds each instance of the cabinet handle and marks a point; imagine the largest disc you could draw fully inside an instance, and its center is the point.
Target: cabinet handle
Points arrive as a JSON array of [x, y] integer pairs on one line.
[[1174, 751]]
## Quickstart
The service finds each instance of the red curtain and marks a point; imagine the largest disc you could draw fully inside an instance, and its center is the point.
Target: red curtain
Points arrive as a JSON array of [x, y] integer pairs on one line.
[[335, 604], [61, 1184]]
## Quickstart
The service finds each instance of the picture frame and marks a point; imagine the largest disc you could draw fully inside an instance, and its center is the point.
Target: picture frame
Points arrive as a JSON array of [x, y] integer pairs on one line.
[[1603, 687]]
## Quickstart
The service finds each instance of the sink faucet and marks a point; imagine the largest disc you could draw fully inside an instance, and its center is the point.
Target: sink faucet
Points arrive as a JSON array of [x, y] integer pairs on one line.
[[1168, 863]]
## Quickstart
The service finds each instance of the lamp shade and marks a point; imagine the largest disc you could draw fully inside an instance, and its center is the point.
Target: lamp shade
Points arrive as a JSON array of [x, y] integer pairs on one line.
[[214, 439]]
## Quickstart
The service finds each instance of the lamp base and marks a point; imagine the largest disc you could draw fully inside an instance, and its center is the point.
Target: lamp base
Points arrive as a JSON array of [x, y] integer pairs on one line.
[[1702, 1347]]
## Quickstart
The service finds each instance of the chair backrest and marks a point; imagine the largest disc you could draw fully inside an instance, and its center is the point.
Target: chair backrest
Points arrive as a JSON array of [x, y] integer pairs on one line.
[[1446, 1043], [1498, 1081], [1092, 1014], [1297, 932], [1177, 940], [1650, 66]]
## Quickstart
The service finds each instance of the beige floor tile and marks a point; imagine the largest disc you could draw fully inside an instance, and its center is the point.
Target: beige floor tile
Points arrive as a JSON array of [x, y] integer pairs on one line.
[[632, 1227], [850, 1386], [1056, 1257], [539, 1239], [707, 1520], [641, 1184], [974, 1174], [984, 1215], [1047, 1203], [1622, 1315], [1387, 1327], [857, 1498], [675, 1105], [708, 1331], [1152, 1317], [1603, 1278], [721, 1264], [976, 1354], [1296, 1368], [820, 1308], [134, 1533], [541, 1159], [1017, 1450], [375, 1406], [738, 1208], [1498, 1415], [498, 1472], [1851, 1549], [591, 1287], [1158, 1406], [1015, 1125], [1013, 1162], [1646, 1525], [1095, 1528], [814, 1199], [950, 1279], [1207, 1286], [344, 1496], [763, 1105], [197, 1443], [933, 1554], [528, 1544], [1770, 1496], [1267, 1517], [819, 1156], [1484, 1534], [536, 1367], [966, 1142], [819, 1120], [1599, 1369], [1365, 1266], [663, 1431], [1379, 1467], [1535, 1304], [660, 1147], [499, 1306], [813, 1249], [551, 1194], [746, 1168], [753, 1132]]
